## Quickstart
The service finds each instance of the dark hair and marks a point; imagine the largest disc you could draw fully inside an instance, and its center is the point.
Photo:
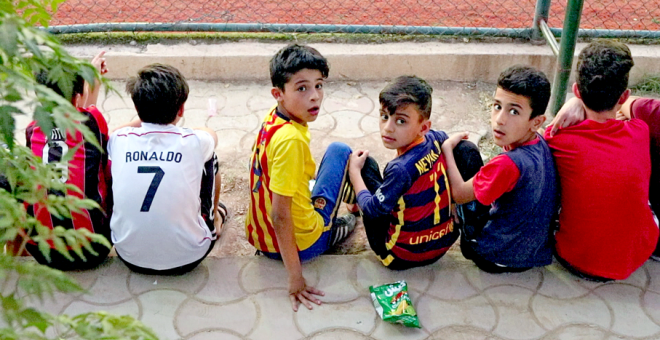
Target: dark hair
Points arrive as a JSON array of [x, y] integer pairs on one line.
[[602, 74], [158, 92], [77, 86], [293, 58], [406, 90], [527, 82]]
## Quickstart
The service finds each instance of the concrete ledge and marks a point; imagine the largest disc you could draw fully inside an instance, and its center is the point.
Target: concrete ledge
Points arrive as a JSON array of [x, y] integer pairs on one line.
[[432, 61]]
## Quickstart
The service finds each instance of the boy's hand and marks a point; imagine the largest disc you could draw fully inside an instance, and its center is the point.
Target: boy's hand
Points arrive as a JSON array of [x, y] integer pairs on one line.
[[358, 157], [99, 62], [454, 139], [621, 116], [300, 292], [570, 114]]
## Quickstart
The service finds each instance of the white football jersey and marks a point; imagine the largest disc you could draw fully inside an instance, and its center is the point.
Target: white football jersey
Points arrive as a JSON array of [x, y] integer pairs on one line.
[[156, 177]]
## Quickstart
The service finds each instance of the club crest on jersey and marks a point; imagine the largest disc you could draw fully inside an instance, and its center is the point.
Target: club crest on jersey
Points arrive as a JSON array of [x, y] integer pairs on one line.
[[319, 203]]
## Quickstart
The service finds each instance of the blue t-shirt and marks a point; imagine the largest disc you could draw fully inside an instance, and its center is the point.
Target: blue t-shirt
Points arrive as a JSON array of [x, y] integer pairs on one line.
[[518, 231]]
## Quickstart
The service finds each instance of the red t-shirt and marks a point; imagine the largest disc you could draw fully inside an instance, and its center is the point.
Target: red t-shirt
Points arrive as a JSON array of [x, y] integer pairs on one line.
[[648, 110], [606, 227], [497, 177]]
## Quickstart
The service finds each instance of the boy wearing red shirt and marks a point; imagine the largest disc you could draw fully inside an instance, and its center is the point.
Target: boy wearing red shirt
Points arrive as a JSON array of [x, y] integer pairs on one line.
[[606, 227], [520, 184]]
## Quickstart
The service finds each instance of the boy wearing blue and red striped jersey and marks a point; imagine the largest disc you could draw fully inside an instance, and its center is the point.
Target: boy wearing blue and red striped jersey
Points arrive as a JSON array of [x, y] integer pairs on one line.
[[520, 184], [88, 170], [287, 219], [407, 215]]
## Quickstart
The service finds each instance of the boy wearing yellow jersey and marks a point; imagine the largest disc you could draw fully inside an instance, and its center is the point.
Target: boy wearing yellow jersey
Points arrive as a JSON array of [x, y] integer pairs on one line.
[[287, 218]]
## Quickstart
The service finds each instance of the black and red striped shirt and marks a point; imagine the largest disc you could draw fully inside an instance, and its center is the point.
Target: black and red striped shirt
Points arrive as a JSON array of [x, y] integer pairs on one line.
[[88, 170]]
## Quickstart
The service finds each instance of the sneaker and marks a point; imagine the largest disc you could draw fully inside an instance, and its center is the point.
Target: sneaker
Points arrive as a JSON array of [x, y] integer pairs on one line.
[[341, 228]]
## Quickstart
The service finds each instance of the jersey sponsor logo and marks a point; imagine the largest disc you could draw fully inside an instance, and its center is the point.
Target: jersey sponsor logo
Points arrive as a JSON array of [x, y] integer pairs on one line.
[[162, 156], [432, 235], [426, 163]]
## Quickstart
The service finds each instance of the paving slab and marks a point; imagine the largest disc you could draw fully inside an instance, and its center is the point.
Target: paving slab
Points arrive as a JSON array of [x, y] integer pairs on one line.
[[176, 309]]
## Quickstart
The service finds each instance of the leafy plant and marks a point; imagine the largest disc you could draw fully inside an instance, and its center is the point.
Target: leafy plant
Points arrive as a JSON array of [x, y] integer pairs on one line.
[[649, 84], [24, 50]]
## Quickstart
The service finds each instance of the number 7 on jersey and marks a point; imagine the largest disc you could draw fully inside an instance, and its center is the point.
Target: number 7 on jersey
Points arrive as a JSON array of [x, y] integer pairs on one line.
[[159, 173]]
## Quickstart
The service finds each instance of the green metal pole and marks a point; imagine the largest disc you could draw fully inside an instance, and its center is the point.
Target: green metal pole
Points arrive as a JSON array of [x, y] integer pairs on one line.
[[566, 52], [541, 13]]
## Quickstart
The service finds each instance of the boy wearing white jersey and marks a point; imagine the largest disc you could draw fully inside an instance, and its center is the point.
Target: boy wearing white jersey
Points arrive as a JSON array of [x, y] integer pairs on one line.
[[165, 180]]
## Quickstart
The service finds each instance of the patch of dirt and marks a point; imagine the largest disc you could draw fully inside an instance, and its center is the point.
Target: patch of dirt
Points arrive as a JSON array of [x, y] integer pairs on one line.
[[235, 194]]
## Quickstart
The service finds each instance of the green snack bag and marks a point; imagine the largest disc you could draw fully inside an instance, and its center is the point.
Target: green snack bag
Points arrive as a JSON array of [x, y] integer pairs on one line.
[[393, 304]]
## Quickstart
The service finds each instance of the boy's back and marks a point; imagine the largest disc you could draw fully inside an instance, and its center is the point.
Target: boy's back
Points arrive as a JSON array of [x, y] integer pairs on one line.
[[157, 171], [88, 170], [606, 227], [605, 170], [165, 179]]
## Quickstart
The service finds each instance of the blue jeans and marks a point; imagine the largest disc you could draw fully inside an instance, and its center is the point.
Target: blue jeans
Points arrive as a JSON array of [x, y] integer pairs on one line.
[[330, 189]]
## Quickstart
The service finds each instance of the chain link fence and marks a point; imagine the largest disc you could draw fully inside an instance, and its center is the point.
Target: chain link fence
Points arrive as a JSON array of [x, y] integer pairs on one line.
[[637, 18]]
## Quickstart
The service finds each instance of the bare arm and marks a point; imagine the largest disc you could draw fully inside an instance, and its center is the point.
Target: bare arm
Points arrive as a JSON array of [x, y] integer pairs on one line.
[[626, 108], [571, 113], [299, 292], [461, 191], [211, 132], [93, 91], [134, 123], [355, 166]]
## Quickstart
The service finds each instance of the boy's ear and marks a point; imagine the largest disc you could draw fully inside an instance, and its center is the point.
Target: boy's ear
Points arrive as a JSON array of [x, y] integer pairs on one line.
[[426, 126], [624, 96], [180, 112], [78, 100], [576, 91], [277, 93], [537, 122]]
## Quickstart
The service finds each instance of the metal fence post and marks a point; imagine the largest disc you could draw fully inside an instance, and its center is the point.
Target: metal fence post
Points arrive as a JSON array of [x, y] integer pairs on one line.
[[566, 52], [542, 12]]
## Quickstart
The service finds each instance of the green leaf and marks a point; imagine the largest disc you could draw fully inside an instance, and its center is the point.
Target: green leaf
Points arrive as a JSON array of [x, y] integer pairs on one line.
[[44, 119], [44, 248], [35, 319], [13, 96], [7, 124], [9, 36]]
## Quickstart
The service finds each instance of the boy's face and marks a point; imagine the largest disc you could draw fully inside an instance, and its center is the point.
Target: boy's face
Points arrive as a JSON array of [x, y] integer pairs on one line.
[[401, 129], [302, 96], [510, 121]]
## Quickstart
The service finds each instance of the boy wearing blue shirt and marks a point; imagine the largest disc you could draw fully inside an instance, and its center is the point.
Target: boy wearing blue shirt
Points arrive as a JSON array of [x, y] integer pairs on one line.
[[520, 184], [407, 215]]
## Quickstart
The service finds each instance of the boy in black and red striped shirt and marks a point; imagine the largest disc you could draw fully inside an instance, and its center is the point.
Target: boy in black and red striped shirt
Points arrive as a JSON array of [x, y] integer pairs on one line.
[[88, 170]]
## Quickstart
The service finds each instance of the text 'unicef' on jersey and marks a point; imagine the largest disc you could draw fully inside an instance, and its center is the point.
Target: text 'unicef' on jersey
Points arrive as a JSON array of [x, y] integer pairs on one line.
[[162, 156]]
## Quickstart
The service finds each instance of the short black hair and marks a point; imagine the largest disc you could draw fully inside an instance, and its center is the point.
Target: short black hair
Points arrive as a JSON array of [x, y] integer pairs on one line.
[[158, 92], [406, 90], [293, 58], [77, 86], [602, 74], [527, 82]]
